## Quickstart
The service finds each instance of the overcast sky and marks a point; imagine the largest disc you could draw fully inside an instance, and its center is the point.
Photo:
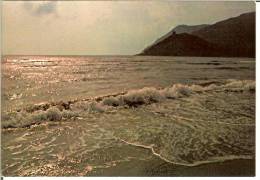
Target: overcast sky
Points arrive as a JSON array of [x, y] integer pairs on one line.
[[102, 28]]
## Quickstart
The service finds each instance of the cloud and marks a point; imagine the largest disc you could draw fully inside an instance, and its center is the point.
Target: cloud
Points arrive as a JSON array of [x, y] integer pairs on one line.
[[41, 8], [46, 8]]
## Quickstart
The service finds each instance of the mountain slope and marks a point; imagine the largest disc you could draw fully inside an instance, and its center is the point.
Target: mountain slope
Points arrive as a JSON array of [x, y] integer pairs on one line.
[[235, 34], [234, 37], [183, 44], [178, 30], [188, 29]]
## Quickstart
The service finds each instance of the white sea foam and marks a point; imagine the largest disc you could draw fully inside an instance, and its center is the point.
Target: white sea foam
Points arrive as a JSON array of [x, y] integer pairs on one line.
[[149, 95], [241, 84], [133, 98], [177, 91]]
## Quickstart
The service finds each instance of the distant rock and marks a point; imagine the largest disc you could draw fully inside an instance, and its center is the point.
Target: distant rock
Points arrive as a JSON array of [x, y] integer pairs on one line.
[[234, 37], [178, 30], [183, 44]]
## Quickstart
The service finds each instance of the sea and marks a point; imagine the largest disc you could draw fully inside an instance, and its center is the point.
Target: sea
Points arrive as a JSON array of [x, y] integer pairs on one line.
[[127, 116]]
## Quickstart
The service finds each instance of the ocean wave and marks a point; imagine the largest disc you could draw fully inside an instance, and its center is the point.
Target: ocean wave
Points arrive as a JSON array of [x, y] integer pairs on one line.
[[153, 95], [24, 119], [35, 114]]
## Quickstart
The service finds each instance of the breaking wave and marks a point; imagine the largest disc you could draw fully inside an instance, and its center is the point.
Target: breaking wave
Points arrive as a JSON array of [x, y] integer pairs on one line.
[[35, 114]]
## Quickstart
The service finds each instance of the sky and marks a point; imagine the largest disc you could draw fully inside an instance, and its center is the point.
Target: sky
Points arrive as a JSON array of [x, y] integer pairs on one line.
[[101, 27]]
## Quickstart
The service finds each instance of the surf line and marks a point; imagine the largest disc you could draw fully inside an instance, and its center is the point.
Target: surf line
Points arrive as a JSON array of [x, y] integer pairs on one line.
[[152, 149], [212, 160]]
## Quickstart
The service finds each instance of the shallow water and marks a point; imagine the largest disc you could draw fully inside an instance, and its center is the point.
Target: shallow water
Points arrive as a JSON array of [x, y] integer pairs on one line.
[[184, 126]]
